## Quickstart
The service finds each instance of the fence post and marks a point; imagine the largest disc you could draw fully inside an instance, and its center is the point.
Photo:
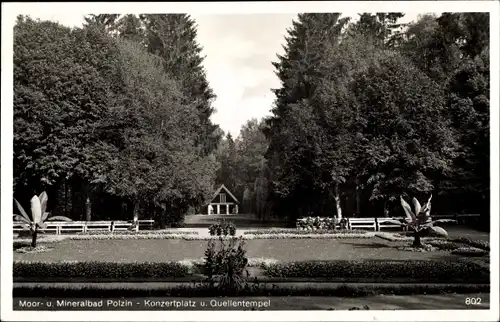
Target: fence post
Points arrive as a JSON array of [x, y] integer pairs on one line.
[[377, 227], [112, 226]]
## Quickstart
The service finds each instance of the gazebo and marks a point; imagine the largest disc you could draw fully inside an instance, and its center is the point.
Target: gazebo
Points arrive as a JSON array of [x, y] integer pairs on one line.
[[223, 202]]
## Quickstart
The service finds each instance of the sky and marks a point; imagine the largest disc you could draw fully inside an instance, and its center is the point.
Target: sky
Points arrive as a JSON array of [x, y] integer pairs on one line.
[[239, 49]]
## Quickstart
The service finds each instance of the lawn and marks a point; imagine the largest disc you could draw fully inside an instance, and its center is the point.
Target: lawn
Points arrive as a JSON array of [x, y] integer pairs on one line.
[[161, 250]]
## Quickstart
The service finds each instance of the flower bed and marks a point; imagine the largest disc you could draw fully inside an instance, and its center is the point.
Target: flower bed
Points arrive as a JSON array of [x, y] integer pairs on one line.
[[249, 236], [292, 231], [444, 244], [310, 236], [470, 251], [474, 243], [119, 236], [383, 270], [27, 249], [398, 237]]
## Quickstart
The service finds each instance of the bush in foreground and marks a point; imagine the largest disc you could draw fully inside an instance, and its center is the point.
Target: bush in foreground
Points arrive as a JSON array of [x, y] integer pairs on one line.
[[73, 290], [99, 269], [225, 262], [425, 270]]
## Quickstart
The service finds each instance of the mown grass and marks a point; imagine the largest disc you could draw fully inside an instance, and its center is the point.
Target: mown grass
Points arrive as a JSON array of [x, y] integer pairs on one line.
[[162, 250]]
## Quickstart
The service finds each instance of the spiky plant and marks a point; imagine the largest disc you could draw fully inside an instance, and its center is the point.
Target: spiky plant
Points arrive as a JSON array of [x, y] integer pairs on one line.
[[420, 219], [37, 222]]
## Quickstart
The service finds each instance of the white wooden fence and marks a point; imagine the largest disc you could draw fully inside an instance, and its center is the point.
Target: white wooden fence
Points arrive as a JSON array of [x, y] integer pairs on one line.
[[64, 227], [362, 223], [377, 224]]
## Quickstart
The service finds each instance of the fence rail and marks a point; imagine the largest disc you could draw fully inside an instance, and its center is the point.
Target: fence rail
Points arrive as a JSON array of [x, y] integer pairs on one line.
[[377, 224], [62, 227]]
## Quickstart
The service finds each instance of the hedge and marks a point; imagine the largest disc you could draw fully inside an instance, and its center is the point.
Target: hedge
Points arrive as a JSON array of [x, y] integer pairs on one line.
[[94, 269], [276, 231], [368, 270], [73, 290], [428, 270]]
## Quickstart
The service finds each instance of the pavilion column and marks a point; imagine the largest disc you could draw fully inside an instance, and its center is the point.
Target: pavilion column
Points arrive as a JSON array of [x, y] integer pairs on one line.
[[218, 209], [227, 209], [236, 209], [208, 209]]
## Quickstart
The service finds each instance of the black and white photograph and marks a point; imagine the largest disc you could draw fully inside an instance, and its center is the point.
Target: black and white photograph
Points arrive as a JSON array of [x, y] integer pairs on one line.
[[247, 161]]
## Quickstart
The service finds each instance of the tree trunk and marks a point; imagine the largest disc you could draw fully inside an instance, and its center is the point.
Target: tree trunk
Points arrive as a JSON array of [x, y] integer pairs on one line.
[[67, 194], [88, 209], [136, 210], [163, 216], [358, 198], [386, 209], [417, 242], [337, 202], [33, 238]]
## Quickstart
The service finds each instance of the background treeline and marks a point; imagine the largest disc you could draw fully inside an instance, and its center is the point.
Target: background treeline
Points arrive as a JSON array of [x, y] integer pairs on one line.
[[113, 119], [243, 168], [372, 110]]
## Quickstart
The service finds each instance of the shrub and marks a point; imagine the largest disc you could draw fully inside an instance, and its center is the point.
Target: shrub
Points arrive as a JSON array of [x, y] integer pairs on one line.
[[93, 269], [382, 270], [278, 231], [222, 228], [313, 223], [225, 265], [470, 251]]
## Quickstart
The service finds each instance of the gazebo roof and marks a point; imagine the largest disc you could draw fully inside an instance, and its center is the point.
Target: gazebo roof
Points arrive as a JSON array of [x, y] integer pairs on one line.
[[227, 190]]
